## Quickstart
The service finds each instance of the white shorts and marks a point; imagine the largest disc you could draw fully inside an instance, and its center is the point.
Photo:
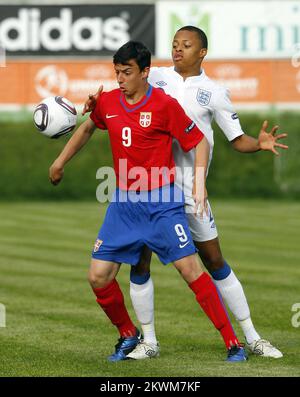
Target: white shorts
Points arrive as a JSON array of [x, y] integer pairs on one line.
[[202, 229]]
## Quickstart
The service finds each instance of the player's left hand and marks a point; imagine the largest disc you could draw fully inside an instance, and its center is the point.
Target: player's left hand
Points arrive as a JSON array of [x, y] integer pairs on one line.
[[200, 203], [56, 173], [91, 102], [268, 140]]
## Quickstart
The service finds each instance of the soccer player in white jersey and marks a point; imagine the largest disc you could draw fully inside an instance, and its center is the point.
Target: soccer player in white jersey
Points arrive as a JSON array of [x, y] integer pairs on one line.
[[203, 100]]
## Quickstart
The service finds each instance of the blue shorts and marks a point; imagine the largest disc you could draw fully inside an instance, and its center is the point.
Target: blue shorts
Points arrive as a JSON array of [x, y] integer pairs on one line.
[[147, 218]]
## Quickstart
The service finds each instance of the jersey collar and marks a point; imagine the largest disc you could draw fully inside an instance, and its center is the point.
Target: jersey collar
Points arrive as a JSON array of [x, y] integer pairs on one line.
[[131, 108], [200, 77]]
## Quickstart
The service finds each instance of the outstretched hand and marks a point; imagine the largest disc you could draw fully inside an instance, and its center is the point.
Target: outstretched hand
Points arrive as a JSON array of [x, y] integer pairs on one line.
[[268, 140], [91, 102], [56, 173]]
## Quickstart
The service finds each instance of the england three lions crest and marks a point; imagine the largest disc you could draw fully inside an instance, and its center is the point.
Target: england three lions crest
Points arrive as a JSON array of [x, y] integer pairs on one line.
[[145, 119], [203, 97]]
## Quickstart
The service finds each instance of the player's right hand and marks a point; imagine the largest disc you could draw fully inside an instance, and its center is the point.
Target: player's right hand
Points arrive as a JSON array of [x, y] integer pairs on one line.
[[56, 173], [201, 206], [91, 102]]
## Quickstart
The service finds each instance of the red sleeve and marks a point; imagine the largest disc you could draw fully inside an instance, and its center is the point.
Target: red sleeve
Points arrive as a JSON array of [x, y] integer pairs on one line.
[[181, 127], [97, 114]]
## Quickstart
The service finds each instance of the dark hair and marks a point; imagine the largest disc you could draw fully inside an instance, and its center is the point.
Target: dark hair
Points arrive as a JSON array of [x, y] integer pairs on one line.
[[201, 35], [133, 50]]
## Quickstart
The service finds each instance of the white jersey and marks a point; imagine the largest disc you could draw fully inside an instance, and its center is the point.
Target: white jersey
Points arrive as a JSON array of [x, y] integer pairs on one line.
[[203, 100]]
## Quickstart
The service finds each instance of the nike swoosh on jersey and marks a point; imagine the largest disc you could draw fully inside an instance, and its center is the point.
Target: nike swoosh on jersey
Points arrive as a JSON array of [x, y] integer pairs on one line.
[[183, 245], [109, 116]]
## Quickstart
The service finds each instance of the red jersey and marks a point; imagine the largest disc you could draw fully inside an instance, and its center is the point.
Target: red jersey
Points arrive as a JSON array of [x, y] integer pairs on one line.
[[141, 136]]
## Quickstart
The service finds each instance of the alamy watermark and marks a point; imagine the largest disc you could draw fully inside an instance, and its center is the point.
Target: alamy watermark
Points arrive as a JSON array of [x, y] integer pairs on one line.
[[296, 317], [2, 316], [296, 56], [139, 184], [2, 56]]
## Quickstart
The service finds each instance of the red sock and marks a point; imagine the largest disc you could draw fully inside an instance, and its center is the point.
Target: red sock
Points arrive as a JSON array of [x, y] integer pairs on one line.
[[209, 299], [111, 299]]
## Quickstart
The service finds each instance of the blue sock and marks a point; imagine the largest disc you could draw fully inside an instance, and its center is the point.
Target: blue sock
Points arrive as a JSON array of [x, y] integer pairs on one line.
[[139, 279], [221, 273]]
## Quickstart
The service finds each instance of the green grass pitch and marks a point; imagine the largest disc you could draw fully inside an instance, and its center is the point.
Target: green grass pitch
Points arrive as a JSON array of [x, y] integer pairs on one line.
[[55, 328]]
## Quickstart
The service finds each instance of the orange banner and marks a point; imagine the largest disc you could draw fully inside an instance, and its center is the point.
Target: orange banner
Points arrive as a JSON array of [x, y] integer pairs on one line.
[[250, 82]]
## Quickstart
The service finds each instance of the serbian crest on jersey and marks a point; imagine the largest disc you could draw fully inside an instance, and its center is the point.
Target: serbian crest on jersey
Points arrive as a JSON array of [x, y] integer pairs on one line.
[[145, 119], [203, 97]]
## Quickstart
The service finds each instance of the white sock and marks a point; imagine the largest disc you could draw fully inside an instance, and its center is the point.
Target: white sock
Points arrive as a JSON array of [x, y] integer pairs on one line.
[[233, 294], [249, 331], [142, 297]]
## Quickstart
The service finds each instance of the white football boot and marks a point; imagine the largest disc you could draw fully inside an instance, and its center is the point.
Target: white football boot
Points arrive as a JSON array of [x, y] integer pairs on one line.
[[144, 350], [262, 347]]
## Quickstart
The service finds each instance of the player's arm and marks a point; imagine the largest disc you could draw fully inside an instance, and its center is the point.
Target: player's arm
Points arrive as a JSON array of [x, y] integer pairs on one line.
[[190, 137], [266, 141], [76, 142], [228, 121], [199, 187]]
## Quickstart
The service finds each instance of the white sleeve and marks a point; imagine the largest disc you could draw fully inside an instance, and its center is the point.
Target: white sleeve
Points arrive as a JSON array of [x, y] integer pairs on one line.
[[225, 115], [153, 75]]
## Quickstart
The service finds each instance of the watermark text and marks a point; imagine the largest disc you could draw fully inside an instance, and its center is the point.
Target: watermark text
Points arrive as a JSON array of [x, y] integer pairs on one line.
[[139, 184], [2, 316], [296, 317], [2, 56]]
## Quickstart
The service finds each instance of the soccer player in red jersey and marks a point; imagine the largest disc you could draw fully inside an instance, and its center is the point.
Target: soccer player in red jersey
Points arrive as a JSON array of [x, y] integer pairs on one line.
[[142, 122]]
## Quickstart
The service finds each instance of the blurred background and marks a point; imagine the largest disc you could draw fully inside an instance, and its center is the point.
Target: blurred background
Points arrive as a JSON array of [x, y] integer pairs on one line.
[[65, 48]]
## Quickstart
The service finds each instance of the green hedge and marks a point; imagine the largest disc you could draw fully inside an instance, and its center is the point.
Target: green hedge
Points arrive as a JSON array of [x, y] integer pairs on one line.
[[259, 174], [25, 157]]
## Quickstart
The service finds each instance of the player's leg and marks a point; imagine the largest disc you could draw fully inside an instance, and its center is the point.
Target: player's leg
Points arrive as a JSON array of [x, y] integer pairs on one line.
[[114, 246], [205, 237], [229, 286], [102, 278], [233, 294], [208, 298], [171, 239], [142, 297]]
